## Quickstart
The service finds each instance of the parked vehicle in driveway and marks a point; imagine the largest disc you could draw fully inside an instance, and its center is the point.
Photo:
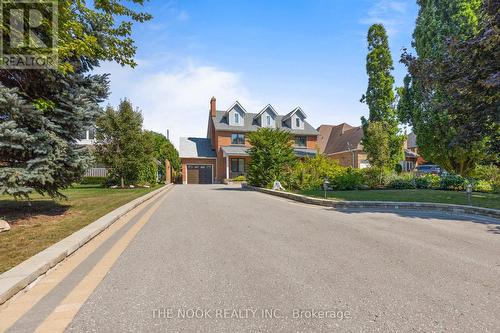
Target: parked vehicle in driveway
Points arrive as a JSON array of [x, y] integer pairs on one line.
[[429, 169]]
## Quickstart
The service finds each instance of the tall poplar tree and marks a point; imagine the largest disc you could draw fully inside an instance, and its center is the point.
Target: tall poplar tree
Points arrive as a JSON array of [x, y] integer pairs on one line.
[[385, 148]]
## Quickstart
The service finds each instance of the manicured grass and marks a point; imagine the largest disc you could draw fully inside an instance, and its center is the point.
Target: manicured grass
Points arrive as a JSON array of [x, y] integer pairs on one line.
[[42, 222], [488, 200]]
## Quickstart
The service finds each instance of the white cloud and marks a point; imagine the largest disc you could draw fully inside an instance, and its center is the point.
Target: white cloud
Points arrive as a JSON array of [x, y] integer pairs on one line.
[[177, 99], [392, 14]]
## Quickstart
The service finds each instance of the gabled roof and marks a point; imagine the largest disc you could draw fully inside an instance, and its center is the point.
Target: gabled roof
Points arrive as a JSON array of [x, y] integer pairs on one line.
[[411, 140], [291, 113], [267, 107], [221, 124], [236, 104], [339, 138]]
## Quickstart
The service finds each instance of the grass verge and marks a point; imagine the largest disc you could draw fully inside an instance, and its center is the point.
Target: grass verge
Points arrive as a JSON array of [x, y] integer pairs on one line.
[[38, 224], [487, 200]]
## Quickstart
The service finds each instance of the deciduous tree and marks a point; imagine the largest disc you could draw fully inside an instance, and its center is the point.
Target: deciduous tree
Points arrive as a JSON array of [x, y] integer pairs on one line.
[[426, 102]]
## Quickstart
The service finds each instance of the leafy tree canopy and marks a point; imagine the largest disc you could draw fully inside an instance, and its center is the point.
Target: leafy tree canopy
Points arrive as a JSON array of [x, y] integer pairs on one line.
[[436, 113], [121, 145], [43, 111], [271, 155]]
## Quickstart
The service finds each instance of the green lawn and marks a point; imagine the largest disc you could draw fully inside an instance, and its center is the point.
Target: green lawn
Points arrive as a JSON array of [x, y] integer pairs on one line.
[[43, 222], [488, 200]]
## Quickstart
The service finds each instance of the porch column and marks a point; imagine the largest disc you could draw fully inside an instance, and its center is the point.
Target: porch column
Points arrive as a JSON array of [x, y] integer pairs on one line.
[[227, 167]]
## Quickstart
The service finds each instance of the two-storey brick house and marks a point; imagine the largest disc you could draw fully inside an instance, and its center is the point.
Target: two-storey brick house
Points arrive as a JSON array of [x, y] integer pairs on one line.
[[223, 153]]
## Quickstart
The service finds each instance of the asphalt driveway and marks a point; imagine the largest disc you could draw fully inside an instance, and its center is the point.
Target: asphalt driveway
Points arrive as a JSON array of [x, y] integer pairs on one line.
[[220, 259]]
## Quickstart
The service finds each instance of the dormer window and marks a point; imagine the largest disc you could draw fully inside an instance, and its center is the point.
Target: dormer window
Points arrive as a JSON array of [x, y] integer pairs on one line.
[[268, 120], [297, 122], [237, 118]]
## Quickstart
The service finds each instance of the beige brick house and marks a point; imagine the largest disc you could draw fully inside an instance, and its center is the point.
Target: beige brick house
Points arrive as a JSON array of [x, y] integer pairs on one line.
[[343, 143]]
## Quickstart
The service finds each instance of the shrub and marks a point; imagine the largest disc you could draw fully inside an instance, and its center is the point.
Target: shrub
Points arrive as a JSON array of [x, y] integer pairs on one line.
[[402, 184], [422, 182], [348, 179], [490, 174], [376, 177], [93, 181], [148, 173], [403, 181], [453, 182], [239, 179], [428, 181], [398, 168], [310, 173], [483, 186]]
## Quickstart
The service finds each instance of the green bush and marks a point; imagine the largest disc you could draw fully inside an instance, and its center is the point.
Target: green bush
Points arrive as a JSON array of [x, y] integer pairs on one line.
[[398, 168], [239, 179], [348, 179], [402, 183], [489, 174], [483, 186], [428, 181], [93, 181], [148, 172], [422, 182], [376, 177], [310, 173], [453, 182]]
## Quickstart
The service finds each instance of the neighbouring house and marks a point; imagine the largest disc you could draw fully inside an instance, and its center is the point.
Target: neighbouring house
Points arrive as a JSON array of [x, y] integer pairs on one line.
[[223, 153], [87, 139], [412, 157], [343, 143]]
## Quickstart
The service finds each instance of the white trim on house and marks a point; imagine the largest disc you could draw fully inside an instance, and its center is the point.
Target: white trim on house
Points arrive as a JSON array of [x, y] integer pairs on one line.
[[267, 107], [294, 111]]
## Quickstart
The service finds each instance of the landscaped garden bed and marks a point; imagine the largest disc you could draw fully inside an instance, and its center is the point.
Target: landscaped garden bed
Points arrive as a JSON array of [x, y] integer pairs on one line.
[[486, 200]]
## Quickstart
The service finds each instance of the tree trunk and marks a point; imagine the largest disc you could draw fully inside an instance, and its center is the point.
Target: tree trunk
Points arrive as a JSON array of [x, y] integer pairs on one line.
[[122, 182]]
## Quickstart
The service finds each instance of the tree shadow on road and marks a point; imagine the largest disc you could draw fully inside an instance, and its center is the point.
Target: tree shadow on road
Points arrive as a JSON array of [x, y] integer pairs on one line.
[[493, 225], [230, 189]]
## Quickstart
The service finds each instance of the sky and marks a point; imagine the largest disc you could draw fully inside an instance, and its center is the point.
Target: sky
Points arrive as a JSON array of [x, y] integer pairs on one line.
[[307, 53]]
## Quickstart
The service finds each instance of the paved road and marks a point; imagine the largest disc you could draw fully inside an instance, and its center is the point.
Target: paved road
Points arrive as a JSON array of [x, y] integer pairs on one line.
[[249, 262]]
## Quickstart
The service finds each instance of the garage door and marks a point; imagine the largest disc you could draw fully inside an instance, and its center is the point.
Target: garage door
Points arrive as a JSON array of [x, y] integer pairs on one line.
[[199, 174]]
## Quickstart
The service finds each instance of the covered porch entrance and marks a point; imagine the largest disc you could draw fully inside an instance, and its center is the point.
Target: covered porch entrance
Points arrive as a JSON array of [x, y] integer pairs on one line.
[[236, 160]]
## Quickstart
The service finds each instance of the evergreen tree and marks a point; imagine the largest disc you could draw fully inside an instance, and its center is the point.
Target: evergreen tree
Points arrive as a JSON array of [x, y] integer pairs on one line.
[[271, 156], [380, 99], [121, 145], [43, 111], [423, 97]]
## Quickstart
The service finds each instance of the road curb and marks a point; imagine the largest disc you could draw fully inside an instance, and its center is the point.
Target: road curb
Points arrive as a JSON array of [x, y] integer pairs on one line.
[[20, 276], [427, 206]]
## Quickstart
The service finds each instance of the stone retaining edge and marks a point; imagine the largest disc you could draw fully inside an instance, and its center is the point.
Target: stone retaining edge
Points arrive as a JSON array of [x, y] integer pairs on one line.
[[449, 208], [22, 275]]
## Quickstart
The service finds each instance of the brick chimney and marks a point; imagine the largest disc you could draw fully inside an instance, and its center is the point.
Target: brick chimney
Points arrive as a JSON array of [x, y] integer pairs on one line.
[[213, 108]]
